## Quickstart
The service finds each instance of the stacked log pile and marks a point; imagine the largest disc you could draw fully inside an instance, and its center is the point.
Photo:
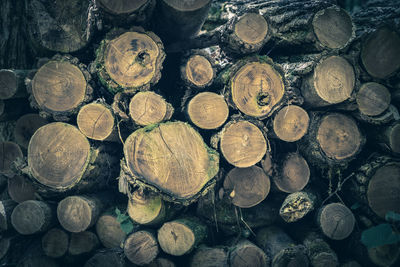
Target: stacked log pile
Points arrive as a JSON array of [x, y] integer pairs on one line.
[[199, 133]]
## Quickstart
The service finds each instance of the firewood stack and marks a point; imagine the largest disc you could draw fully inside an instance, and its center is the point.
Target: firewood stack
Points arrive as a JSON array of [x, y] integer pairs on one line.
[[199, 133]]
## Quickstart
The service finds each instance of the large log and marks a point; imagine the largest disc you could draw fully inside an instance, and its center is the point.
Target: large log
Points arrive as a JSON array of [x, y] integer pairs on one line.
[[83, 243]]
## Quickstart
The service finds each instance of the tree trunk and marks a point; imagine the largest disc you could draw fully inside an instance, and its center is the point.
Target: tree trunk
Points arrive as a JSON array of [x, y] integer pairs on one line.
[[373, 99], [141, 247]]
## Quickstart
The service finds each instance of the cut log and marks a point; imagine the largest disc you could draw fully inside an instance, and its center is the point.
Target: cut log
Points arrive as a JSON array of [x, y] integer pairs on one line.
[[207, 110], [109, 231], [242, 143], [82, 243], [198, 69], [291, 123], [331, 82], [20, 189], [78, 213], [247, 187], [96, 121], [387, 137], [297, 205], [58, 27], [170, 158], [146, 108], [106, 259], [141, 248], [6, 209], [9, 152], [336, 221], [245, 253], [129, 61], [210, 257], [333, 139], [12, 84], [181, 236], [161, 262], [55, 243], [319, 252], [373, 99], [390, 115], [386, 255], [280, 248], [380, 53], [32, 216], [26, 126], [60, 87], [294, 174]]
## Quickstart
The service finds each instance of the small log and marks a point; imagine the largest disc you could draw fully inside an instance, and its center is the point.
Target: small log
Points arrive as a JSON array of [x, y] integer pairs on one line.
[[181, 236], [280, 248], [198, 70], [373, 99], [242, 143], [319, 252], [291, 123], [82, 243], [331, 82], [175, 151], [70, 88], [161, 262], [390, 115], [107, 258], [78, 213], [245, 253], [247, 187], [9, 152], [33, 216], [96, 121], [386, 255], [387, 137], [109, 231], [210, 257], [55, 243], [146, 108], [6, 209], [26, 126], [207, 110], [12, 84], [145, 52], [380, 53], [297, 205], [336, 221], [294, 173], [141, 248]]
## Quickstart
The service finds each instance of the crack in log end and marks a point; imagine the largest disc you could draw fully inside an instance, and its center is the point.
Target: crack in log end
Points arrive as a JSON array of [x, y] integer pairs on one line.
[[263, 99]]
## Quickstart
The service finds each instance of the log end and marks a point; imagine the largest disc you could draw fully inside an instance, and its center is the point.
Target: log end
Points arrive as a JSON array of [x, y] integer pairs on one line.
[[8, 83], [55, 243], [95, 121], [336, 221], [109, 231], [74, 214], [141, 248], [373, 99], [291, 123]]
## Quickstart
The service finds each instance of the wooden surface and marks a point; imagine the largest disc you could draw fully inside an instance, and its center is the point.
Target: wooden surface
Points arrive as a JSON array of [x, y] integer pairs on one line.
[[146, 208], [294, 174], [96, 121], [109, 231], [336, 221], [252, 28], [373, 99], [291, 123], [199, 71], [141, 247]]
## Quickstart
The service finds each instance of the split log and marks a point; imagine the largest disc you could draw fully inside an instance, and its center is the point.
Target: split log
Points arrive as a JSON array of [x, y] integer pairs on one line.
[[12, 84], [198, 70], [291, 123], [293, 174], [336, 221], [331, 82], [82, 243], [26, 126], [280, 248], [146, 108], [145, 52], [181, 236], [245, 253], [247, 187], [319, 252], [177, 152], [61, 26], [60, 87], [141, 248], [161, 262], [373, 99], [55, 243], [333, 139], [33, 216], [210, 257], [109, 231], [9, 152], [106, 259], [96, 121], [20, 189], [297, 205], [207, 110], [6, 209]]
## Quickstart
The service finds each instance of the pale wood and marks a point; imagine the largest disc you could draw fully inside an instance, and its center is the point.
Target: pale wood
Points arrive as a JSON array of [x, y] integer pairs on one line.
[[141, 248], [26, 126], [109, 231], [373, 99], [198, 71], [291, 123], [294, 174], [55, 243], [336, 221]]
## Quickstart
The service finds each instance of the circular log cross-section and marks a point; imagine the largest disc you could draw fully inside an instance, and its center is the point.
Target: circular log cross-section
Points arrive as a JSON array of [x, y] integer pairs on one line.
[[141, 248], [109, 231], [336, 221], [55, 243], [9, 152], [251, 28], [146, 209], [247, 186], [380, 53], [96, 121], [256, 88], [20, 189], [26, 126], [247, 254], [147, 108], [384, 190], [339, 136], [243, 144], [171, 157], [208, 110], [59, 86], [207, 257], [373, 99], [295, 174], [291, 123], [198, 72], [58, 155], [12, 84], [119, 7], [333, 27]]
